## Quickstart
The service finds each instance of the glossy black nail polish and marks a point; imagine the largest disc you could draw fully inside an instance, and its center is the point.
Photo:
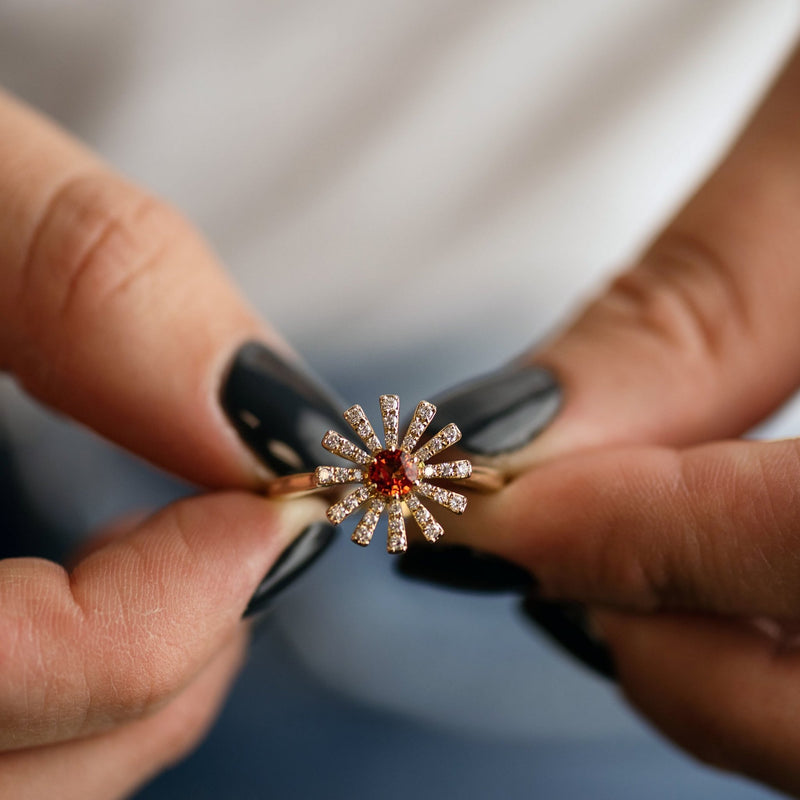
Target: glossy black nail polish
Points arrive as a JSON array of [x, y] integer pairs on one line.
[[566, 624], [504, 410], [459, 567], [280, 412], [294, 560]]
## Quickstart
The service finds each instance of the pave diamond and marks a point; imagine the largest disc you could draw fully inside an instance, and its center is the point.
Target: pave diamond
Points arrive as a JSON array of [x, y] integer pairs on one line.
[[390, 411], [338, 512], [446, 437], [453, 501], [331, 476], [363, 533], [358, 421], [430, 528], [393, 478], [423, 415], [339, 446], [454, 470], [397, 541]]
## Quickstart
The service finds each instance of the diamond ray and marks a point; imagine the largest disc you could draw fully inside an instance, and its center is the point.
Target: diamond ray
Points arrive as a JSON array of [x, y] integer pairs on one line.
[[363, 533], [390, 411], [397, 541], [394, 479], [454, 470], [339, 446], [358, 421], [453, 501], [446, 437], [430, 528], [423, 415], [332, 476], [345, 507]]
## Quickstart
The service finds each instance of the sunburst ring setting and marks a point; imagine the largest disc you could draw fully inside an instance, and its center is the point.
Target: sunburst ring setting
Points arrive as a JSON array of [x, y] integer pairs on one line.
[[393, 477]]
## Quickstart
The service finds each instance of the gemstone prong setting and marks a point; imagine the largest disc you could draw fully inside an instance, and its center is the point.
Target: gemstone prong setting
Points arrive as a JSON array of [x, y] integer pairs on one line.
[[393, 477]]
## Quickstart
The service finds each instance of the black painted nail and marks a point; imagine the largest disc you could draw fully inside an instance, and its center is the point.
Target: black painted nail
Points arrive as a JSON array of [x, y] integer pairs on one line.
[[459, 567], [292, 562], [463, 568], [280, 412], [504, 410], [567, 624]]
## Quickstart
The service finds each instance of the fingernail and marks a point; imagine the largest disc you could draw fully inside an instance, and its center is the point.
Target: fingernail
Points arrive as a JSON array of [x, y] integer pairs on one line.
[[504, 410], [459, 567], [464, 568], [570, 626], [279, 411], [291, 563]]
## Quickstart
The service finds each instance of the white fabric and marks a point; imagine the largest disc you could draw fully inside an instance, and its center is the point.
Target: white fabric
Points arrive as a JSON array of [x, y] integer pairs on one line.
[[467, 154]]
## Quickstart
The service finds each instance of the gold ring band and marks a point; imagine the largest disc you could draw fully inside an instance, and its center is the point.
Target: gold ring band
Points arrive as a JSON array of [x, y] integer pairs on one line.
[[483, 479]]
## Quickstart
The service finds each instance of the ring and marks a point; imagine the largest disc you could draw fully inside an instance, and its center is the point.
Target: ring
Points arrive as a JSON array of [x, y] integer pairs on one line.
[[393, 476]]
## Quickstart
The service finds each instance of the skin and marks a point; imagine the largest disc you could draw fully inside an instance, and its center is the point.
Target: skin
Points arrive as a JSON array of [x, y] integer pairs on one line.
[[115, 669], [679, 541], [638, 500]]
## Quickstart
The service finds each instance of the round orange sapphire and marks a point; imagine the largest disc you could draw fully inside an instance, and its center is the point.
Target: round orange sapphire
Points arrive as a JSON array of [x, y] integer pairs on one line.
[[393, 472]]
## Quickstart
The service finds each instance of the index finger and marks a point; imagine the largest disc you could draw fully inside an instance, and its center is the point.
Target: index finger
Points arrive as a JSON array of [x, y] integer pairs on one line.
[[713, 528], [113, 309]]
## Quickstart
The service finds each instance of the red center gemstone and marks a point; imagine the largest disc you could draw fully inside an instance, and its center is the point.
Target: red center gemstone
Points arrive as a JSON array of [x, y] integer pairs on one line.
[[393, 472]]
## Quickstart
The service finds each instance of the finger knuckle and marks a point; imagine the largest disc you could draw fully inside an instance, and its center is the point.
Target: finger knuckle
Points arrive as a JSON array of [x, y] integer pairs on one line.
[[676, 552], [616, 556], [147, 644], [94, 238], [144, 672], [141, 676], [137, 657], [686, 296]]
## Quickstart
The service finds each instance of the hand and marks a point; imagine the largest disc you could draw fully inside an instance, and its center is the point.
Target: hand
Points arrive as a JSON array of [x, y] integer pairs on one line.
[[113, 311], [630, 503]]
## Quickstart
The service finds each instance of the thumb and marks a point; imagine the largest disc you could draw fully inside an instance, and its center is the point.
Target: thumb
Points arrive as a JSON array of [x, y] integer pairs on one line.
[[136, 620], [694, 343]]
